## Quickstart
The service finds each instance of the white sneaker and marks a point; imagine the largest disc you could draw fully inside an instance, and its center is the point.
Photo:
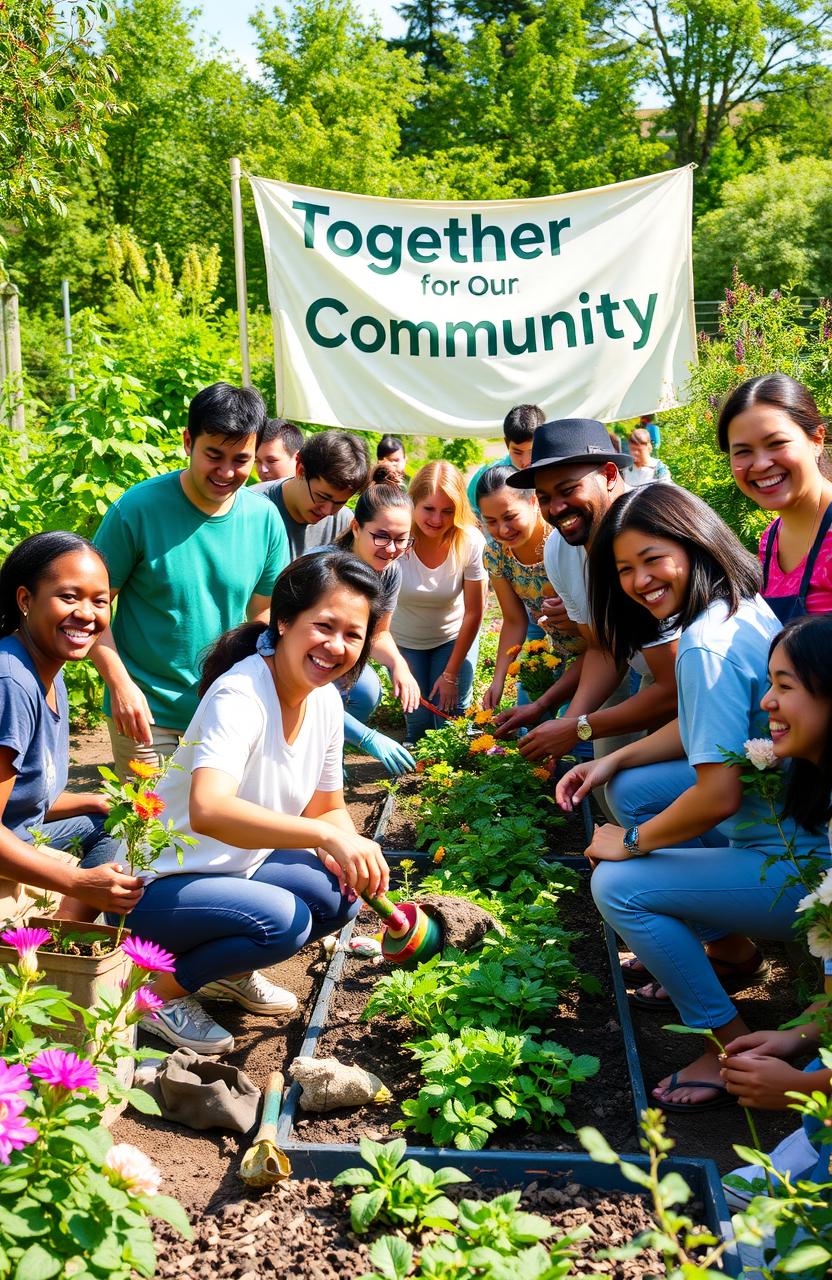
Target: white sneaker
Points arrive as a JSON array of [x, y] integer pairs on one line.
[[794, 1155], [185, 1023], [254, 992]]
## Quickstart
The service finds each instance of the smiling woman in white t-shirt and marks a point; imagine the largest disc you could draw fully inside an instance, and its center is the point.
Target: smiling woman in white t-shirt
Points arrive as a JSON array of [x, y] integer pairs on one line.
[[439, 611], [259, 784]]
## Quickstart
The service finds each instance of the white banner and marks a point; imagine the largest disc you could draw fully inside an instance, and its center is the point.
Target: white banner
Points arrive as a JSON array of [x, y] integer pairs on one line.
[[434, 318]]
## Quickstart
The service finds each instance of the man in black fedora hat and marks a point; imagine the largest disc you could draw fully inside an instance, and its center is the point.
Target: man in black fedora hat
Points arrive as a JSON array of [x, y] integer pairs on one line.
[[577, 476]]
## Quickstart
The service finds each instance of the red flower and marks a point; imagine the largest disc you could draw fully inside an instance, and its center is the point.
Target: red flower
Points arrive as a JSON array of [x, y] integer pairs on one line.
[[148, 805]]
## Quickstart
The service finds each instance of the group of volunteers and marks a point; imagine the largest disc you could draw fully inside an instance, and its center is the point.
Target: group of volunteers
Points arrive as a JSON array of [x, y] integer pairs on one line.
[[245, 617]]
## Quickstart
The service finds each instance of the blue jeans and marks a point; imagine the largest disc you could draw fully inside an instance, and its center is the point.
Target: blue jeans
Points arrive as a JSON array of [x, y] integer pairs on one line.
[[218, 925], [427, 666], [83, 834], [664, 904], [636, 795], [359, 704]]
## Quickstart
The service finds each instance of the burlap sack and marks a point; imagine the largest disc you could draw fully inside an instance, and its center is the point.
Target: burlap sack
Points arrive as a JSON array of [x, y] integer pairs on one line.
[[327, 1083], [205, 1094]]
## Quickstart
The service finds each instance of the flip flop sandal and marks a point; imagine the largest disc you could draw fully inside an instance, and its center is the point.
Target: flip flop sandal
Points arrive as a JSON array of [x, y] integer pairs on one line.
[[725, 1099], [634, 972], [736, 979]]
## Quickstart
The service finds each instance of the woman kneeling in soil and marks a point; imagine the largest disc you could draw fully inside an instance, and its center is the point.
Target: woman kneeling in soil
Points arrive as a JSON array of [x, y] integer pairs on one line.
[[259, 784], [54, 604], [665, 554]]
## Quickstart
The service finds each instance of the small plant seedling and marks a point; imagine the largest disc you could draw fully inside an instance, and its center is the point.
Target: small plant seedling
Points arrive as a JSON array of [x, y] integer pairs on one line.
[[402, 1192]]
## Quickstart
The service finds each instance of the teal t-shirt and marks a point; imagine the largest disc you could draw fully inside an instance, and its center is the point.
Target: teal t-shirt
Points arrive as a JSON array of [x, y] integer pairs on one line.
[[183, 578], [472, 483]]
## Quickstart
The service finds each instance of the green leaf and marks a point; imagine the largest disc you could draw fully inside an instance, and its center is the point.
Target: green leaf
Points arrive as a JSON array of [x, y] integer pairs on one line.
[[37, 1264], [364, 1207], [94, 1143], [170, 1211], [806, 1256], [142, 1101], [353, 1178], [392, 1256], [674, 1190]]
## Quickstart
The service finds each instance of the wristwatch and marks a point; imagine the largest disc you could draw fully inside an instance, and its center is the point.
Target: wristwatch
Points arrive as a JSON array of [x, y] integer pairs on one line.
[[584, 729], [631, 842]]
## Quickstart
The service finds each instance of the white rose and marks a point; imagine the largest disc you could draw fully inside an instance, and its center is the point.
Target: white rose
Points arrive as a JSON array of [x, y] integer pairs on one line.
[[760, 752], [819, 939]]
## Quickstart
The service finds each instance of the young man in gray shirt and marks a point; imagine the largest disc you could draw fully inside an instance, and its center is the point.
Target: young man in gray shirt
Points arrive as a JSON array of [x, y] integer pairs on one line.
[[331, 466]]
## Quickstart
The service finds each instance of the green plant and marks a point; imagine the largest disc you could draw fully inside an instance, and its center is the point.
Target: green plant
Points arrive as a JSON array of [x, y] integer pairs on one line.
[[402, 1192], [421, 995], [484, 1078], [71, 1203]]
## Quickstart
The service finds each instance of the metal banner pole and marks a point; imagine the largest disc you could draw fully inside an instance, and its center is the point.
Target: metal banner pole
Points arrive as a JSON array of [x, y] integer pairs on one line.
[[68, 338], [240, 267]]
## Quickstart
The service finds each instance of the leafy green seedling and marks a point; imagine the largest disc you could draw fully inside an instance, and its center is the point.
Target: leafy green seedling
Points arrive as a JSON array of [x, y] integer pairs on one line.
[[399, 1191]]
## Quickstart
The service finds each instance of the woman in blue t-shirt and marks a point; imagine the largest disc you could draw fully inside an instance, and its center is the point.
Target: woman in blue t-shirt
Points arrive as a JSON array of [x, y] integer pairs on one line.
[[54, 604], [662, 554]]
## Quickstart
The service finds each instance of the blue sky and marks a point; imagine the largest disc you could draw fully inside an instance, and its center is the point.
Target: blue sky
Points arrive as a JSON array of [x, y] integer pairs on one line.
[[228, 21]]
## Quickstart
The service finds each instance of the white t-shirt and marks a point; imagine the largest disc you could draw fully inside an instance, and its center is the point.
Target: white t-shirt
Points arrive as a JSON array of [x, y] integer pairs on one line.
[[430, 607], [238, 728], [566, 569]]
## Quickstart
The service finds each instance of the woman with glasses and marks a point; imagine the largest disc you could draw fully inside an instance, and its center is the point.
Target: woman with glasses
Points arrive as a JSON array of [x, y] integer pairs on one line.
[[437, 622], [514, 560], [379, 534]]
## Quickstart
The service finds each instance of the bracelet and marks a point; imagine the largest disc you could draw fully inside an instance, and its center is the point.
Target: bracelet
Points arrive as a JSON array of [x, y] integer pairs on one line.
[[451, 679]]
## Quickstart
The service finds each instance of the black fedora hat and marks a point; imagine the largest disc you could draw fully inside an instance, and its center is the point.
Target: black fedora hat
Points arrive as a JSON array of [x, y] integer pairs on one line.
[[565, 441]]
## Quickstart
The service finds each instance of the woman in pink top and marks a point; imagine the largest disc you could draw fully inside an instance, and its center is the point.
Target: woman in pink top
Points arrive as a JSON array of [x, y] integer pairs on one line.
[[774, 434]]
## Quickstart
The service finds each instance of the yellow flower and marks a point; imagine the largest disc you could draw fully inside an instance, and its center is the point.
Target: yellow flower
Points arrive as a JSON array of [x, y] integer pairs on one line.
[[537, 646], [483, 743], [543, 774], [514, 668], [143, 770], [551, 661], [515, 648], [439, 855], [483, 717], [533, 664]]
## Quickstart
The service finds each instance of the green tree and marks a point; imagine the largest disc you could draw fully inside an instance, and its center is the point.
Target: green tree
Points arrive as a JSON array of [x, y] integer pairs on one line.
[[775, 225], [713, 59], [426, 22], [56, 95]]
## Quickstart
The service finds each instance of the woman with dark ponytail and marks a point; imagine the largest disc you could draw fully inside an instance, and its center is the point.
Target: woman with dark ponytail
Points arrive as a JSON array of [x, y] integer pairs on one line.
[[380, 535], [54, 604], [259, 785]]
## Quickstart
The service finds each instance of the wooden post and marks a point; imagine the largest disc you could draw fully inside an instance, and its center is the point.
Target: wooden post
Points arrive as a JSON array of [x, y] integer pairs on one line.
[[240, 268], [9, 294]]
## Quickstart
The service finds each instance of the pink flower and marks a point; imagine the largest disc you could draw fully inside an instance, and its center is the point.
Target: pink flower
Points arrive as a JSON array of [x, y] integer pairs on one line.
[[13, 1080], [26, 943], [15, 1133], [132, 1169], [760, 753], [147, 1001], [146, 955], [64, 1070]]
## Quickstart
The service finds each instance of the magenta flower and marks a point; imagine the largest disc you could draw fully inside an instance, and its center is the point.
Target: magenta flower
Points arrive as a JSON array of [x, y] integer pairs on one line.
[[24, 940], [64, 1070], [13, 1080], [146, 955], [147, 1001], [15, 1133]]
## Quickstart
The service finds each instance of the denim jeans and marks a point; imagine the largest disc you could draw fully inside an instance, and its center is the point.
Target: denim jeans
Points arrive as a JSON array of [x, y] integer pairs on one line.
[[83, 834], [427, 666], [218, 925], [359, 703]]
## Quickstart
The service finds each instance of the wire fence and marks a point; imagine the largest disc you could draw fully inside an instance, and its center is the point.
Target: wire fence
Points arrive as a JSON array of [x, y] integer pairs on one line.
[[707, 313]]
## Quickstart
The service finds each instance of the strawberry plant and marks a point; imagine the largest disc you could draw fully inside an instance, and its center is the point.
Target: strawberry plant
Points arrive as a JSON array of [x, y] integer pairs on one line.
[[399, 1191]]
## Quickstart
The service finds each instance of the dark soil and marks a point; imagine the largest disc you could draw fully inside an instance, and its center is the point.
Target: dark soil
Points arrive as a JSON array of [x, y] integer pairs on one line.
[[301, 1231], [584, 1023]]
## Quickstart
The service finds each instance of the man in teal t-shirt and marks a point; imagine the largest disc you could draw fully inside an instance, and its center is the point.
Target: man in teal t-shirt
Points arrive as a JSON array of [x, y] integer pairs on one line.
[[519, 427], [191, 554]]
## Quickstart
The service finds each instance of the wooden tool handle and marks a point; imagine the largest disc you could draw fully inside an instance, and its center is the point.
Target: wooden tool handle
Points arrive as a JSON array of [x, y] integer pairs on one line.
[[387, 910]]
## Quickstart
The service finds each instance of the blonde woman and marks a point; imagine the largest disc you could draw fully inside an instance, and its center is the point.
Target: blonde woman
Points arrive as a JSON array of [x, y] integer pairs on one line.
[[439, 611]]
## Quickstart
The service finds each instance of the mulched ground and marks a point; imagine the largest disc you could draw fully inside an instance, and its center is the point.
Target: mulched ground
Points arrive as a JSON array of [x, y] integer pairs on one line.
[[300, 1231]]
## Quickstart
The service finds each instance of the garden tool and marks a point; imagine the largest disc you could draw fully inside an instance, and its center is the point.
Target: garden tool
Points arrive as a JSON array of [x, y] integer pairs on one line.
[[410, 935], [264, 1163], [443, 715]]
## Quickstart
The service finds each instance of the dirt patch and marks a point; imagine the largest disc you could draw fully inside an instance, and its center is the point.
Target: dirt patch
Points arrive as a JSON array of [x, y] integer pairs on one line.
[[301, 1231], [584, 1023], [463, 923]]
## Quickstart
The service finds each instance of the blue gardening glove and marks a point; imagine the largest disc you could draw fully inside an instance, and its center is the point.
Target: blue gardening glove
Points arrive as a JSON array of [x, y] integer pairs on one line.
[[388, 752]]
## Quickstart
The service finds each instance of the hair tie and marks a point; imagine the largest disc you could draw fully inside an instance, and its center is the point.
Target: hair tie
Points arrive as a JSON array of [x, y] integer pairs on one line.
[[265, 643]]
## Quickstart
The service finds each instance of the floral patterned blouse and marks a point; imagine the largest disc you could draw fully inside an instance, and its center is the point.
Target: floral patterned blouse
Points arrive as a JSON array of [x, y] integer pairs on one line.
[[531, 586]]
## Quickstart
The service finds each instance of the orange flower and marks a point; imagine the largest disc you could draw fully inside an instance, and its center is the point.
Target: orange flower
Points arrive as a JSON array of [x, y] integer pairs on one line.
[[421, 765], [514, 668], [439, 855], [143, 770], [148, 805], [515, 648], [483, 743], [543, 774], [483, 717]]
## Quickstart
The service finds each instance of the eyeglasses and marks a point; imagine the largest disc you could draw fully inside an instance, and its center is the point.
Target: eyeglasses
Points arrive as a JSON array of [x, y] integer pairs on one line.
[[384, 540], [323, 499]]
